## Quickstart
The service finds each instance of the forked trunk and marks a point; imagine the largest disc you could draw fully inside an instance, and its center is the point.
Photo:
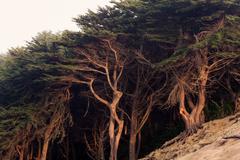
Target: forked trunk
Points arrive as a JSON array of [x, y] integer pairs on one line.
[[192, 121], [195, 118], [114, 138]]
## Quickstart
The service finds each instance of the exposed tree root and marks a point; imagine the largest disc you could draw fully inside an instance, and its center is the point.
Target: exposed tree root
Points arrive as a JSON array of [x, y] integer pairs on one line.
[[182, 136], [232, 137], [235, 117]]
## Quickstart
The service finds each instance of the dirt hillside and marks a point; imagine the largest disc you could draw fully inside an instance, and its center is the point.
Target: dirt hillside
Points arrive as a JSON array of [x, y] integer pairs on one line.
[[217, 140]]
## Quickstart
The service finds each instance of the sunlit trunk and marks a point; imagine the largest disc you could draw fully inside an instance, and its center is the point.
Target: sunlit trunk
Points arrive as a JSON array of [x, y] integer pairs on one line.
[[114, 137], [45, 149], [118, 136], [195, 118], [111, 137], [192, 121]]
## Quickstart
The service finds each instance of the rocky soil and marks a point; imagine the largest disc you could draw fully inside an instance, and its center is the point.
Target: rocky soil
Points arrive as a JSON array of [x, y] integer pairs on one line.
[[217, 140]]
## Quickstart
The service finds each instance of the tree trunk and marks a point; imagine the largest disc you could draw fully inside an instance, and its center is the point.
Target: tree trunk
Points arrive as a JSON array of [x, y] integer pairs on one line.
[[101, 152], [39, 150], [101, 155], [237, 103], [111, 137], [118, 136], [132, 147], [20, 151], [193, 121], [30, 154], [114, 138], [133, 137], [139, 144], [46, 141], [45, 149]]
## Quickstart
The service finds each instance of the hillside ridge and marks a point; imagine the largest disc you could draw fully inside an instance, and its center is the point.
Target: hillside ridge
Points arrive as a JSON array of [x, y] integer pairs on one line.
[[216, 140]]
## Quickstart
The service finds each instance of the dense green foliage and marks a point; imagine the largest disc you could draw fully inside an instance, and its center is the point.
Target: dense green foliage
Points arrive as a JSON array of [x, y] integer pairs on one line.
[[45, 86]]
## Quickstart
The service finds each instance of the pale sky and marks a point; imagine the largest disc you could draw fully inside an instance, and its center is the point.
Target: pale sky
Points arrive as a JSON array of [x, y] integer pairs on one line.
[[20, 20]]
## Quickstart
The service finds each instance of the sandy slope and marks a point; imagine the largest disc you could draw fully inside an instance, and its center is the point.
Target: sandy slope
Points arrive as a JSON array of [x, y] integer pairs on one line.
[[228, 151], [208, 143]]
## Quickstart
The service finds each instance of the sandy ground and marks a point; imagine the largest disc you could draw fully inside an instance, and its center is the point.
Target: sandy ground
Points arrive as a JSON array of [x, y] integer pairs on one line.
[[213, 142], [230, 150]]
